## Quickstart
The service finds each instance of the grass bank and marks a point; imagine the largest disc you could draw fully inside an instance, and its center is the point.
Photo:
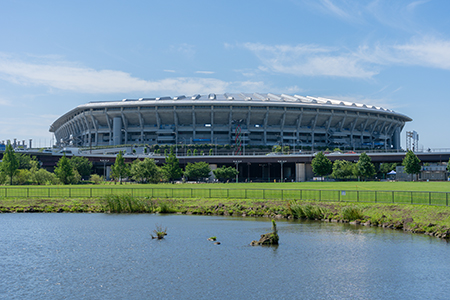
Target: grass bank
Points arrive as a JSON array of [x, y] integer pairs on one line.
[[432, 220]]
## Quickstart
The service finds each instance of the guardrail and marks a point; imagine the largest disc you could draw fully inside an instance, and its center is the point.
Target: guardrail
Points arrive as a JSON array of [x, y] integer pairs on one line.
[[399, 197]]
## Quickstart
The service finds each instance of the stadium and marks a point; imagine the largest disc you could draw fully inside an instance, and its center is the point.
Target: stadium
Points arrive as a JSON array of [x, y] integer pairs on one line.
[[232, 119]]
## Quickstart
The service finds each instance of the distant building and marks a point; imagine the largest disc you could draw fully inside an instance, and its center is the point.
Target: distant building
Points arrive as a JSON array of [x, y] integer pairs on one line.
[[232, 119], [432, 172]]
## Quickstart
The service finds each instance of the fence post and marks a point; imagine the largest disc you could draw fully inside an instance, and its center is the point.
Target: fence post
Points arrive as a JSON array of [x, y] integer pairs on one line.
[[282, 195], [339, 196], [357, 196], [228, 193], [191, 193], [6, 192], [429, 198], [70, 192], [446, 199], [210, 193], [28, 192], [375, 196], [412, 198], [152, 192], [320, 195], [393, 197], [48, 192], [172, 193], [90, 193], [301, 194], [245, 194]]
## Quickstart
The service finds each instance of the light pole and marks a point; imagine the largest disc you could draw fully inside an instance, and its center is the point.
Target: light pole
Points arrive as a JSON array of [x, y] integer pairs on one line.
[[104, 161], [237, 169], [282, 162]]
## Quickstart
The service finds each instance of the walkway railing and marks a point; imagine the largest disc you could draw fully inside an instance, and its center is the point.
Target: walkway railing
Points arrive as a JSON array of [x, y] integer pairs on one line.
[[400, 197]]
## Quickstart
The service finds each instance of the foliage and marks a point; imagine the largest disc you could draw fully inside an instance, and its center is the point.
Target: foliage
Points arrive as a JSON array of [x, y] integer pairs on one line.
[[286, 149], [25, 161], [343, 169], [120, 169], [172, 167], [96, 179], [321, 165], [9, 165], [276, 148], [145, 171], [307, 211], [189, 152], [195, 152], [42, 177], [352, 213], [160, 232], [128, 204], [82, 165], [197, 171], [22, 177], [411, 163], [166, 207], [364, 167], [387, 167], [210, 152], [225, 173], [65, 172], [448, 166]]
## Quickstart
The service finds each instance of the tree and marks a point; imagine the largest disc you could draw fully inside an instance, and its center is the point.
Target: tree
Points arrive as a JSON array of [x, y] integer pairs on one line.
[[321, 165], [387, 167], [9, 165], [120, 169], [364, 167], [82, 165], [411, 163], [145, 171], [225, 173], [343, 169], [64, 170], [172, 167], [197, 170], [448, 166], [25, 161]]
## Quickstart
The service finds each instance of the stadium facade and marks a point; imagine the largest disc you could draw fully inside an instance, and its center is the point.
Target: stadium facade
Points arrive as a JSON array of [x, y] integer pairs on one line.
[[244, 118]]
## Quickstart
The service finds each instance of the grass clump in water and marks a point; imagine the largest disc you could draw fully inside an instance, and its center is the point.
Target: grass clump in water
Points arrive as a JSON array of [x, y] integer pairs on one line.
[[352, 213], [160, 232], [128, 204], [307, 211]]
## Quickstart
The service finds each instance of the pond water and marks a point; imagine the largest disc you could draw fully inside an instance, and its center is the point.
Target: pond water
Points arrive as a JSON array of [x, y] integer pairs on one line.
[[112, 256]]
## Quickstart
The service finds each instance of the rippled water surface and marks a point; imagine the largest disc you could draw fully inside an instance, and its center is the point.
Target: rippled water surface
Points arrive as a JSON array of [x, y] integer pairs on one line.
[[107, 256]]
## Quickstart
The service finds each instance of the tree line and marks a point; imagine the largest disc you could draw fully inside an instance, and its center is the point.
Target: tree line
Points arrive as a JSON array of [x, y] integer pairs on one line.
[[364, 168], [19, 169]]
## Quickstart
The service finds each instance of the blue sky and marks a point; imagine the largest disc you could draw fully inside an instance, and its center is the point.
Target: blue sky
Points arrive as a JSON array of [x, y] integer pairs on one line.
[[56, 55]]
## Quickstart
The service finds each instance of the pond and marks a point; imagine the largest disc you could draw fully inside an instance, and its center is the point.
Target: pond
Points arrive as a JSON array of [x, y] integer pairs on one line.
[[112, 256]]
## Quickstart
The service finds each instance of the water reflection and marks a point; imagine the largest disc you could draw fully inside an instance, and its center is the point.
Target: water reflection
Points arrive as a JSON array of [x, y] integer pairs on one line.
[[77, 256]]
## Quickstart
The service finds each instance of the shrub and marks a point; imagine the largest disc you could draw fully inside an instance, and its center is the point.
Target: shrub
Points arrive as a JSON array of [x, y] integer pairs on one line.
[[352, 213]]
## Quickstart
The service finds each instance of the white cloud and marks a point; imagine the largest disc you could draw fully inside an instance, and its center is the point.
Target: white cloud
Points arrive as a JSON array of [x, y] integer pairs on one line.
[[204, 72], [170, 71], [67, 76], [310, 60]]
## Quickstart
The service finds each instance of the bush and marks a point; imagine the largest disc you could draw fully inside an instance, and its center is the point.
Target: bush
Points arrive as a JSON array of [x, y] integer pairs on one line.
[[96, 179], [351, 213], [307, 211]]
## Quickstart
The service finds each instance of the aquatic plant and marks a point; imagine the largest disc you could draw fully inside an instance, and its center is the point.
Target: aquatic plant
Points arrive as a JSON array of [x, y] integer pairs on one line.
[[166, 207], [352, 213], [128, 204], [160, 232], [308, 211]]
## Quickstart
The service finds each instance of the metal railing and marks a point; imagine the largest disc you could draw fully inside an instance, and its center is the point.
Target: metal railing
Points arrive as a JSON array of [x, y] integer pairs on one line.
[[398, 197]]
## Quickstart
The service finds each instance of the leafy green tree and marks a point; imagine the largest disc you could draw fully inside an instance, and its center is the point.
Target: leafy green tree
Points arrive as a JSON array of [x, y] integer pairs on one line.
[[172, 167], [25, 161], [195, 152], [210, 152], [387, 167], [321, 165], [343, 169], [96, 179], [411, 163], [225, 173], [276, 148], [120, 169], [197, 170], [364, 167], [189, 152], [42, 176], [145, 171], [64, 170], [448, 166], [23, 176], [82, 165], [9, 165]]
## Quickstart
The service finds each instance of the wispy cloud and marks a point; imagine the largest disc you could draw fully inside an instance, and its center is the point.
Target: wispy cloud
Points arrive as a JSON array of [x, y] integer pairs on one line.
[[364, 62], [170, 71], [204, 72], [310, 60], [72, 77]]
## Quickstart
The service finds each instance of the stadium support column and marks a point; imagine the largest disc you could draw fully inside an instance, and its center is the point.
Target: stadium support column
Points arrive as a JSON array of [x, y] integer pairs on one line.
[[300, 172], [117, 131], [396, 138]]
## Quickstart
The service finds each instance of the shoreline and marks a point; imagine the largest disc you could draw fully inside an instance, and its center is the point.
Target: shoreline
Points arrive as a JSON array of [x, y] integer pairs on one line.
[[420, 219]]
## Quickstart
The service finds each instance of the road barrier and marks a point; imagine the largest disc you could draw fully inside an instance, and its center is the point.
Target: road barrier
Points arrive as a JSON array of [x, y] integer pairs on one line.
[[399, 197]]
